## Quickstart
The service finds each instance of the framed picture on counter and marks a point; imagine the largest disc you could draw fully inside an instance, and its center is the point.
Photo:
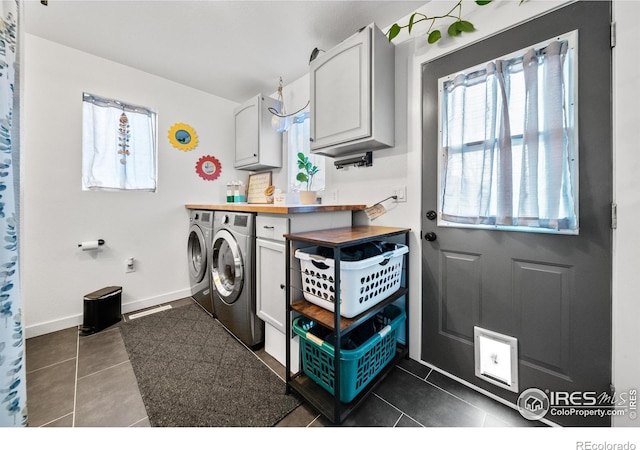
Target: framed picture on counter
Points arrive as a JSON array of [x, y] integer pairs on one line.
[[256, 186]]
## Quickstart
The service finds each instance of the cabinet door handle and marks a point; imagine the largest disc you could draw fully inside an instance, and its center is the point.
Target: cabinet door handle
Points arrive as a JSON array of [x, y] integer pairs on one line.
[[282, 286], [267, 227]]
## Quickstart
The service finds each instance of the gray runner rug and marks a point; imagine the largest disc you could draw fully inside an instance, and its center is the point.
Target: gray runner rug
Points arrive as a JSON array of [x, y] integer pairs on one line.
[[192, 373]]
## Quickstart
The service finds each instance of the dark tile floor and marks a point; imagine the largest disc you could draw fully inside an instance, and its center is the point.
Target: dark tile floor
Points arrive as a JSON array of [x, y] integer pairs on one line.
[[88, 381]]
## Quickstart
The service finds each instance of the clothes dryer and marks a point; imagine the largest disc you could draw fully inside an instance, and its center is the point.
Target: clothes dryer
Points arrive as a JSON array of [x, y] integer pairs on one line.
[[199, 257], [233, 275]]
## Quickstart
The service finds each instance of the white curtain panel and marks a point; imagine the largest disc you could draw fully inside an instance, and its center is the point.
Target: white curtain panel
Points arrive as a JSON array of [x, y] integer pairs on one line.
[[506, 148], [103, 167], [298, 141]]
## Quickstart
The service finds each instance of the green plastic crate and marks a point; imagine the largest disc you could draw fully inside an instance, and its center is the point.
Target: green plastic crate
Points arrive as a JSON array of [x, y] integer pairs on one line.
[[358, 366]]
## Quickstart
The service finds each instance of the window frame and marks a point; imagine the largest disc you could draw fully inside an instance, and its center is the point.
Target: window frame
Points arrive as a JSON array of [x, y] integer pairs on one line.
[[125, 107], [572, 133], [319, 182]]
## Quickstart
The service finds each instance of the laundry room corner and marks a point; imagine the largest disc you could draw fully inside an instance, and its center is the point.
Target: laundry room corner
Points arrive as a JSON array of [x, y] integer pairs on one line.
[[58, 215]]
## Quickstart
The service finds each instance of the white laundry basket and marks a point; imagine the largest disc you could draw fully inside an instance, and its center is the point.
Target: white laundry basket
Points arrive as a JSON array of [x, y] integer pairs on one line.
[[363, 283]]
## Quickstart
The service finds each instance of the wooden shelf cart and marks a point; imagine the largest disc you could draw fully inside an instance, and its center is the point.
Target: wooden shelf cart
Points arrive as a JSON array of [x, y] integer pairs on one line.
[[330, 405]]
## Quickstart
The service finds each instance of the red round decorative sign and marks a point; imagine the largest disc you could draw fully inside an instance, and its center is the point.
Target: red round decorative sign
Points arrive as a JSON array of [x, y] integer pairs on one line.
[[208, 168]]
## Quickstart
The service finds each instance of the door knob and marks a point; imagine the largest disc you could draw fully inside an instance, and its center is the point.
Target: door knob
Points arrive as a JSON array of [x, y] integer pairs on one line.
[[432, 215], [430, 236]]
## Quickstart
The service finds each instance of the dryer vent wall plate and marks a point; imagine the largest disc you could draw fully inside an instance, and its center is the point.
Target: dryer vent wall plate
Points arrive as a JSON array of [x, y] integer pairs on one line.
[[496, 358]]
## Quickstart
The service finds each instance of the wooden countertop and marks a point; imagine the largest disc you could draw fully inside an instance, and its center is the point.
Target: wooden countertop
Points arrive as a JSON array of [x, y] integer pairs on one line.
[[276, 209], [346, 235]]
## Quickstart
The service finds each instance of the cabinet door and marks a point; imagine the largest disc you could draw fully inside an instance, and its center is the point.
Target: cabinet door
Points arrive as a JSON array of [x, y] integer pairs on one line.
[[341, 92], [270, 282], [247, 132]]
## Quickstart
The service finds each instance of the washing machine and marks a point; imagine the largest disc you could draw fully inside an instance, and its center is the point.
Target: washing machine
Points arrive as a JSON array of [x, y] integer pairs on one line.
[[233, 276], [199, 257]]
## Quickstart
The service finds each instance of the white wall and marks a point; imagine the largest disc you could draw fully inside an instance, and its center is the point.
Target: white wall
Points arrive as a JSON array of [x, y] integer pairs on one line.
[[57, 214], [626, 256]]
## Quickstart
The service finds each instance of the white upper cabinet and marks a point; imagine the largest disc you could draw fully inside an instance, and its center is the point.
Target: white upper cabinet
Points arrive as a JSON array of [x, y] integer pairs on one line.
[[352, 95], [258, 145]]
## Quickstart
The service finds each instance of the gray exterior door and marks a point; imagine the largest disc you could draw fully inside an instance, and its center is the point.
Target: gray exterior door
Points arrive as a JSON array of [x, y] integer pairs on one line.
[[551, 292]]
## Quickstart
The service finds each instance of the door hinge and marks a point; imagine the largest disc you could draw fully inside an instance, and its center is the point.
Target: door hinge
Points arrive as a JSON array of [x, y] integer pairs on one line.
[[613, 34], [614, 216]]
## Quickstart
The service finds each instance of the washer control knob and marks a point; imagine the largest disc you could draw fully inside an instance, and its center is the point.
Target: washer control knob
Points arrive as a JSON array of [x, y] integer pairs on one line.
[[225, 220]]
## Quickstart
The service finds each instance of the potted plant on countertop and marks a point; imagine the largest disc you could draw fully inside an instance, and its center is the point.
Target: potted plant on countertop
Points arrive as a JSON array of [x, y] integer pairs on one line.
[[307, 171]]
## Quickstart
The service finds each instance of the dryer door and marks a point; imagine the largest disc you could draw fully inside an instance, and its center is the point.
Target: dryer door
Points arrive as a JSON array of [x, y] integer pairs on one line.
[[197, 254], [227, 267]]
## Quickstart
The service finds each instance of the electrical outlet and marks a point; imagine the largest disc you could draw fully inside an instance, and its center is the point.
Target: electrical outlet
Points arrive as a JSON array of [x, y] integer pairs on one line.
[[333, 196], [401, 193]]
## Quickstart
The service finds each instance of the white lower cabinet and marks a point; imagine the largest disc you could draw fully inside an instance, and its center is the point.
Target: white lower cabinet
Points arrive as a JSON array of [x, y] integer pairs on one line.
[[271, 297], [271, 273], [270, 282]]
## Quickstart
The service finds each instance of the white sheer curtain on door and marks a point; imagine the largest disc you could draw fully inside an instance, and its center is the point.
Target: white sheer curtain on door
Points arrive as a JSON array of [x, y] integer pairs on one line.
[[508, 152]]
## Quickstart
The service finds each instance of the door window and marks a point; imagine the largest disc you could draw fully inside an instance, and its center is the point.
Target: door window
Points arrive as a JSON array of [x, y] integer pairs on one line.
[[508, 148]]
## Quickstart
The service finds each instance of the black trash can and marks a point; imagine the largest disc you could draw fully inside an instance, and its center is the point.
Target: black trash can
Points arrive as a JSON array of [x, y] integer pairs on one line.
[[102, 309]]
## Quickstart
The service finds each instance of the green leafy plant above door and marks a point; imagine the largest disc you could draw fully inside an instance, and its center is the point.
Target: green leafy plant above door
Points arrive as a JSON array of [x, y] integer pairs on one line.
[[456, 28]]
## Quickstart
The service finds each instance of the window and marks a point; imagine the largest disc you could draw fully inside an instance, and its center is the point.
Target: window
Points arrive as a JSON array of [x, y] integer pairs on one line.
[[298, 141], [119, 144], [508, 146]]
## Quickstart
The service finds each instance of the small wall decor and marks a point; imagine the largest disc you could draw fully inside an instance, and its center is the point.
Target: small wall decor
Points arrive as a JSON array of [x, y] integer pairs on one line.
[[125, 136], [183, 137], [258, 182], [208, 168]]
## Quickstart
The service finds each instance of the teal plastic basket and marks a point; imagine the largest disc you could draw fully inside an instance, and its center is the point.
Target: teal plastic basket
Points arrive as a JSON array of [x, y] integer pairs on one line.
[[358, 366]]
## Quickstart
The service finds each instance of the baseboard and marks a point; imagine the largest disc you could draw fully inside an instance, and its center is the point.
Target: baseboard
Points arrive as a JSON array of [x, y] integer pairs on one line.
[[52, 326], [76, 320], [154, 301]]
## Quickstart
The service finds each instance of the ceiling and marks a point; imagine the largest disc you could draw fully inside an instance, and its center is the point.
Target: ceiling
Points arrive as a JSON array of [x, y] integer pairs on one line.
[[232, 49]]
